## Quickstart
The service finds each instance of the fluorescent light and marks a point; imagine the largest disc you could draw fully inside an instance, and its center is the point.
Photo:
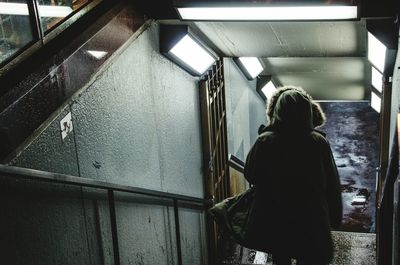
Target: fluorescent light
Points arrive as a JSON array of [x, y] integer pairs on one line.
[[376, 79], [191, 53], [376, 52], [181, 46], [19, 9], [268, 90], [269, 13], [375, 102], [97, 54], [253, 65]]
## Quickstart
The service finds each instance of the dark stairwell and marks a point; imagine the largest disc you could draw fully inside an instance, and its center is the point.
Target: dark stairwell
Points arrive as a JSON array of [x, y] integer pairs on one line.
[[136, 122]]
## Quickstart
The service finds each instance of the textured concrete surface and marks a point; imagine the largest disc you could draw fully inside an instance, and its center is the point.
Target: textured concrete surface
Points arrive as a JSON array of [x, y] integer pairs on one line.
[[352, 129], [193, 237], [395, 100], [350, 249], [245, 110], [58, 76], [354, 248], [42, 224], [143, 235], [49, 152], [137, 124]]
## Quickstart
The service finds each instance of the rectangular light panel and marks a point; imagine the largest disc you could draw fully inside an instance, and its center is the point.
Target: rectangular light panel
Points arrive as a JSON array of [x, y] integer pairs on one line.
[[191, 53], [269, 13], [376, 52], [376, 79], [268, 90], [375, 102], [20, 9], [253, 65]]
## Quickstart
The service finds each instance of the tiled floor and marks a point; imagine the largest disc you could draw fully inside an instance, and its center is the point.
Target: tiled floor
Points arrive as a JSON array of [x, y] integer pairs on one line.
[[350, 249]]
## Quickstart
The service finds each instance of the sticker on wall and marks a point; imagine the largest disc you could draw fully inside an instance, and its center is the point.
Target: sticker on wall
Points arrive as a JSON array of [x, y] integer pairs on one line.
[[66, 125]]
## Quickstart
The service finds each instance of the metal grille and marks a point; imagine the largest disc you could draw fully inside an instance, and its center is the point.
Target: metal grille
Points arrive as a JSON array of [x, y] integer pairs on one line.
[[213, 109], [215, 149]]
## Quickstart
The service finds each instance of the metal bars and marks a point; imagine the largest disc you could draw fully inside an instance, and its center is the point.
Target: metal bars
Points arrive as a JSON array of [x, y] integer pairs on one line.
[[177, 232], [114, 229], [212, 97], [55, 178], [215, 147]]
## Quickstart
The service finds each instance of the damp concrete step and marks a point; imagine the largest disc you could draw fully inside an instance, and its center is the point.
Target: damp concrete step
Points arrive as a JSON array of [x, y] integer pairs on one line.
[[350, 249]]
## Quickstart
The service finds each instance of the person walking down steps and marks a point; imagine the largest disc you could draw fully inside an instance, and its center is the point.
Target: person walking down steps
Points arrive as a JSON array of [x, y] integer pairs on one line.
[[297, 197]]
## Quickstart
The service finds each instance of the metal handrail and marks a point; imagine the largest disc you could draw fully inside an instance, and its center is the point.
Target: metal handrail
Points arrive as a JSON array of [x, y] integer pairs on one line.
[[236, 163], [32, 174]]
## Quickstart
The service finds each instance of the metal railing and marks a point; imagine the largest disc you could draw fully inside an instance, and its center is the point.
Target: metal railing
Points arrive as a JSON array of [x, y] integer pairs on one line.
[[236, 163], [396, 221], [56, 178]]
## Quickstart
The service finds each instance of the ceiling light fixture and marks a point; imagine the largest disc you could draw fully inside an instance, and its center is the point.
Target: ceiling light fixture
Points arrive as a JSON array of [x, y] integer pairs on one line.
[[376, 52], [250, 66], [375, 102], [269, 89], [376, 79], [20, 9], [254, 13], [265, 87], [181, 46]]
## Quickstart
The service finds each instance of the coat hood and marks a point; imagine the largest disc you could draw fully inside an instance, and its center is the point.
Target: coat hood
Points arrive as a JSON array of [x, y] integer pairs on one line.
[[291, 110]]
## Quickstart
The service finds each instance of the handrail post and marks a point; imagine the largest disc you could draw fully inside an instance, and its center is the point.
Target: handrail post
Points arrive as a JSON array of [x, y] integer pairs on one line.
[[114, 232], [177, 232]]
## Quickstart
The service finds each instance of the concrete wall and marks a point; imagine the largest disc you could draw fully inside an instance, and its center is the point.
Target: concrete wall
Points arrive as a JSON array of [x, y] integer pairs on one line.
[[395, 99], [137, 124], [245, 110]]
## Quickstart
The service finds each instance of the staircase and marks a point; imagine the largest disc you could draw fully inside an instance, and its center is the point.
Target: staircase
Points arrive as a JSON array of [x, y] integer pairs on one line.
[[350, 249]]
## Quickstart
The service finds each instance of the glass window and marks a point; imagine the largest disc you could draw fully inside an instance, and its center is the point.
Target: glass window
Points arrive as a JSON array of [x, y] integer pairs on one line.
[[51, 12], [15, 27]]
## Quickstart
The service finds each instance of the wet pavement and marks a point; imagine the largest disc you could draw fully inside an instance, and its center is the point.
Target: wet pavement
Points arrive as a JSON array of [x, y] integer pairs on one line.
[[352, 130], [350, 249]]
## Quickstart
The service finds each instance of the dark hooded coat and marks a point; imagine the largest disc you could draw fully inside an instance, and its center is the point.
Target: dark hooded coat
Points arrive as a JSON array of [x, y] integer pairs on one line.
[[298, 196]]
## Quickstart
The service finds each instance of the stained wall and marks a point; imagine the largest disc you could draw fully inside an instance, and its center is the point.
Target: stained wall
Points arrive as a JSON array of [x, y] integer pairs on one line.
[[136, 123]]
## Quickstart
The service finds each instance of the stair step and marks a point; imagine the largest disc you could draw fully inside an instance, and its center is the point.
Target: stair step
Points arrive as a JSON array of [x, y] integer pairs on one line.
[[354, 248], [350, 249]]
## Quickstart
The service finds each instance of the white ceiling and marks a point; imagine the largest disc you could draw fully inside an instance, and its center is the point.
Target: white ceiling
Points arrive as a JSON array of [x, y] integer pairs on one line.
[[325, 58]]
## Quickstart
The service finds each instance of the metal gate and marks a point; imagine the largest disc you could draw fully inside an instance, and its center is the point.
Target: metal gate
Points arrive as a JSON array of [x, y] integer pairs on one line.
[[215, 148]]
